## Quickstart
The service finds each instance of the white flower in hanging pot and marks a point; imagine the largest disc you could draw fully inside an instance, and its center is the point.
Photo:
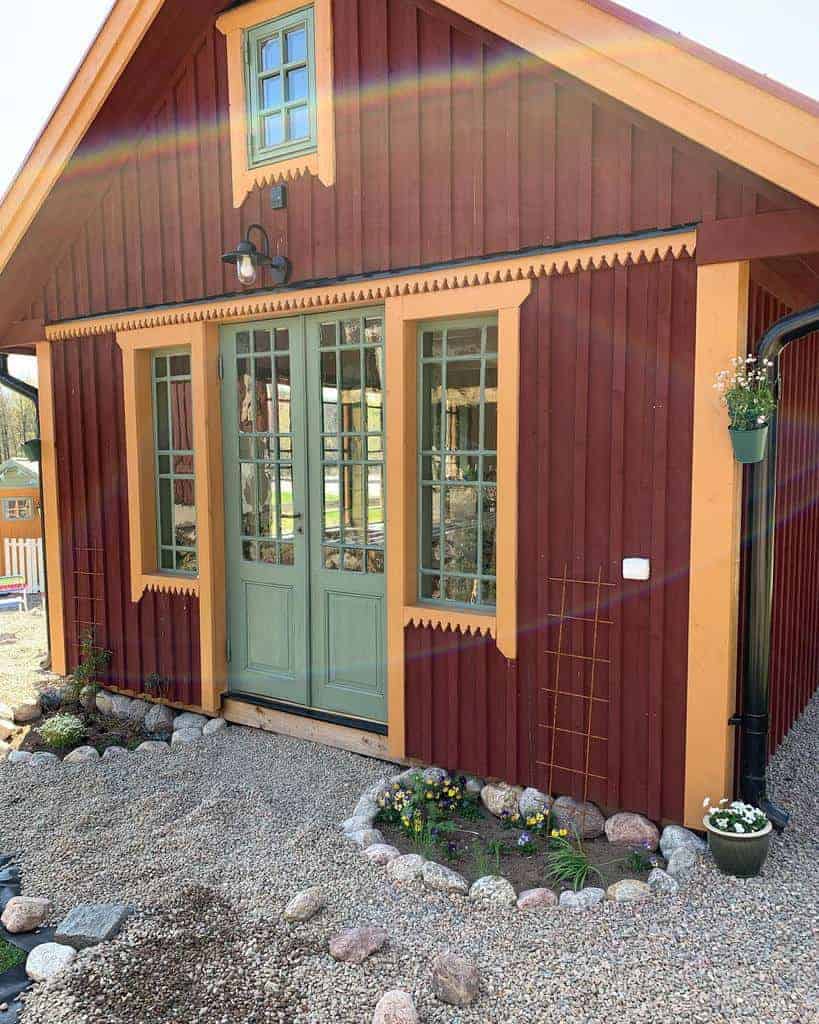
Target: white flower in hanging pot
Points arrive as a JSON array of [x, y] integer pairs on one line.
[[748, 394]]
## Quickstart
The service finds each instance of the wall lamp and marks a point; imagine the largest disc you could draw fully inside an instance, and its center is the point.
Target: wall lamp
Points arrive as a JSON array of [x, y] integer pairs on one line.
[[249, 261]]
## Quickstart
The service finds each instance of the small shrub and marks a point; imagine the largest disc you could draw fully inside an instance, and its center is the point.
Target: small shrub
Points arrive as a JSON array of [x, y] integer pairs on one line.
[[93, 661], [487, 857], [568, 863], [638, 861], [62, 731]]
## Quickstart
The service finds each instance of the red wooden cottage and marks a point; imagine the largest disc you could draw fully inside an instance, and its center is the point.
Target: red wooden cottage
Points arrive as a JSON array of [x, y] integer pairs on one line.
[[376, 343]]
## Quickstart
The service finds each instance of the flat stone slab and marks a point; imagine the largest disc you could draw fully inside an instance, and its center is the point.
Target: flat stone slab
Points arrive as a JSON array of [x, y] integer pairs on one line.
[[92, 923], [48, 959]]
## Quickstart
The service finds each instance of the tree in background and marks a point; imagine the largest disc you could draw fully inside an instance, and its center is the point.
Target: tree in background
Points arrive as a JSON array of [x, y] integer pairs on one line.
[[18, 417]]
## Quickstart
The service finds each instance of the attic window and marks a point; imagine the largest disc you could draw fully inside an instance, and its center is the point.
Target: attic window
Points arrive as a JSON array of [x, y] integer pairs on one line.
[[18, 508], [280, 88]]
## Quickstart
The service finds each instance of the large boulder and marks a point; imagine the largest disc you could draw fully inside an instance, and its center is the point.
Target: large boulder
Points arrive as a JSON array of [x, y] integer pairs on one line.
[[395, 1007], [91, 923], [25, 913], [82, 755], [632, 830], [455, 979], [158, 718], [407, 868], [48, 959], [493, 889], [582, 818], [584, 899], [105, 702], [675, 836], [536, 899], [304, 905], [443, 879], [499, 798], [120, 706], [533, 801], [354, 945], [628, 890], [137, 711]]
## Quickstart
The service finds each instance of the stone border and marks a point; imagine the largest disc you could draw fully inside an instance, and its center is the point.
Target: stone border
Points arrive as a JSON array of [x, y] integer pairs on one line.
[[680, 847], [155, 719]]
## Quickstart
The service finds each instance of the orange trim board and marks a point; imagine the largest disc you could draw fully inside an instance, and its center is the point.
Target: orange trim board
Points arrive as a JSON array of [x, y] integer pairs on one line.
[[716, 492], [51, 510], [321, 162]]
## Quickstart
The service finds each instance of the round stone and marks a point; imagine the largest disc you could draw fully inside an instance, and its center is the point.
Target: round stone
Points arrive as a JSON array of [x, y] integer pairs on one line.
[[443, 879], [354, 945], [7, 727], [153, 747], [628, 890], [20, 757], [682, 862], [395, 1007], [407, 868], [42, 758], [500, 798], [137, 711], [366, 837], [675, 836], [158, 718], [536, 899], [304, 905], [632, 830], [105, 704], [82, 755], [584, 899], [189, 720], [113, 752], [660, 881], [533, 801], [214, 726], [26, 710], [48, 959], [493, 889], [25, 913], [455, 980], [381, 853], [120, 705], [183, 736], [582, 818]]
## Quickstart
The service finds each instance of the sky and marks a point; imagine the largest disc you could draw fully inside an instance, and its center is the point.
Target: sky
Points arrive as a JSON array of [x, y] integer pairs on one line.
[[780, 38]]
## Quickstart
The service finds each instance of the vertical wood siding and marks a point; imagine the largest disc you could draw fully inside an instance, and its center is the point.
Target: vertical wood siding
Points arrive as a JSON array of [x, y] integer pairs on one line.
[[794, 667], [450, 144], [161, 632], [605, 451]]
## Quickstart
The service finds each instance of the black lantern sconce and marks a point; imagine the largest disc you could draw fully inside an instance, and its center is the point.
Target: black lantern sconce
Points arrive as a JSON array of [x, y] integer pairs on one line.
[[249, 261]]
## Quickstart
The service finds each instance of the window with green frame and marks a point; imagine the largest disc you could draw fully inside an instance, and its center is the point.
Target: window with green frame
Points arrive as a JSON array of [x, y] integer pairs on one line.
[[173, 448], [281, 87], [458, 430]]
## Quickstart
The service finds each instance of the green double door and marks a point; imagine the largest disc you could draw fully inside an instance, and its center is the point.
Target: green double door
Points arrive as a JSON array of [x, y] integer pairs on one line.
[[303, 422]]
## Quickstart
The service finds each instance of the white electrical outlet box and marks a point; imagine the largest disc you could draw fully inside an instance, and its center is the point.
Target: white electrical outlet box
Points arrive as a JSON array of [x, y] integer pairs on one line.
[[636, 568]]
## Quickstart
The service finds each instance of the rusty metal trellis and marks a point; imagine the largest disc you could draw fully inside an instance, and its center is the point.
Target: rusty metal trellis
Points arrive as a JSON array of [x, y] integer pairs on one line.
[[88, 588], [591, 698]]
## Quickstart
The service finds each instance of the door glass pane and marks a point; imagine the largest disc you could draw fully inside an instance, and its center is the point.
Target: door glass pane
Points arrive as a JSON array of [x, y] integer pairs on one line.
[[244, 395], [352, 444], [283, 392], [264, 395], [267, 500], [247, 484]]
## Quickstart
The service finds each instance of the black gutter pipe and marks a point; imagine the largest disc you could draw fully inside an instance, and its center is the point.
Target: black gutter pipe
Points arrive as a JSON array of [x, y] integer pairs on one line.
[[27, 390], [758, 596]]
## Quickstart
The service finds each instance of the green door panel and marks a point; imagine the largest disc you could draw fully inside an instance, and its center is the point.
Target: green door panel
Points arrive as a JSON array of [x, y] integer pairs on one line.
[[345, 381], [304, 465], [265, 465]]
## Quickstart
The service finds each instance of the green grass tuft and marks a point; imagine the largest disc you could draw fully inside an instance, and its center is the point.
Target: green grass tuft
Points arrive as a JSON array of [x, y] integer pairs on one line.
[[10, 956]]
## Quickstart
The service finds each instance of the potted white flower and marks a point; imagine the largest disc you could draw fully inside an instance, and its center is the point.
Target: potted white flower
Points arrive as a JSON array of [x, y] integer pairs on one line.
[[739, 836], [747, 392]]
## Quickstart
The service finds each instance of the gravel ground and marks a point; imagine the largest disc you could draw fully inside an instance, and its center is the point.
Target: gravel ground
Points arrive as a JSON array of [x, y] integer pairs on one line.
[[211, 842], [22, 647]]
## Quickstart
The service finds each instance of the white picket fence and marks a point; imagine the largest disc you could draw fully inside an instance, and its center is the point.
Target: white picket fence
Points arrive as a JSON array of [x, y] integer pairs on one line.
[[24, 557]]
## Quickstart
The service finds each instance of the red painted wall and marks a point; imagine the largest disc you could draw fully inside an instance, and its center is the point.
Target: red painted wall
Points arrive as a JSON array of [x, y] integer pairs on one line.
[[161, 632], [605, 455], [450, 144]]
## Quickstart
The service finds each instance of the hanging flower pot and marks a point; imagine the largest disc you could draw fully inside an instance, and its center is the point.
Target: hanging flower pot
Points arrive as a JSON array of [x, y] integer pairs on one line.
[[748, 393], [739, 837], [749, 445]]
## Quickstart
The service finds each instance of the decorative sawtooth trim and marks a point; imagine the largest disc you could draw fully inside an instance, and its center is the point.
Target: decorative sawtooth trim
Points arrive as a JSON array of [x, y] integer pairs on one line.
[[603, 256], [169, 585], [465, 624]]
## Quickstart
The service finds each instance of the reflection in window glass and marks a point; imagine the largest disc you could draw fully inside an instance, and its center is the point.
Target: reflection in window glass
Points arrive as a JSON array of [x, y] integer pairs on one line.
[[174, 462], [458, 371]]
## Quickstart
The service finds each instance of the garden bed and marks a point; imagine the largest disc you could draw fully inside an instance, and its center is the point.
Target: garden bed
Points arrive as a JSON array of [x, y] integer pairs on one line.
[[99, 731], [443, 822]]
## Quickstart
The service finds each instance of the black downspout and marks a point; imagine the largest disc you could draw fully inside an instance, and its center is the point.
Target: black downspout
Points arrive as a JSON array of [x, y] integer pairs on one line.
[[759, 589], [30, 392]]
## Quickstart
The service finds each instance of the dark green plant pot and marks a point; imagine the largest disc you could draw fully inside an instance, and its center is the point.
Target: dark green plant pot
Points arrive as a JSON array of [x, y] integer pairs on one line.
[[31, 449], [749, 445], [739, 855]]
